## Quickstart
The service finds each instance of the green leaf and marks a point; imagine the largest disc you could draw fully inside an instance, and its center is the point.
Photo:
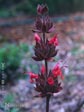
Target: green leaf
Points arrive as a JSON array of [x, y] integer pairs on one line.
[[9, 98], [14, 110]]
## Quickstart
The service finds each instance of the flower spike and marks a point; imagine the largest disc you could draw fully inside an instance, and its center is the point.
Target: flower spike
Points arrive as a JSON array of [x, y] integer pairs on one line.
[[47, 81]]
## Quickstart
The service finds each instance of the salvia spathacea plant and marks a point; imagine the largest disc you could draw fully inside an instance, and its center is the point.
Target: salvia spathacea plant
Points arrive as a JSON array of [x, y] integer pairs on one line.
[[46, 81]]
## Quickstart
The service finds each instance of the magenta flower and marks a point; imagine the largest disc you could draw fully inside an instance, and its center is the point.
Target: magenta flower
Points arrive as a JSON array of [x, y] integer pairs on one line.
[[37, 38], [53, 41], [43, 70], [57, 72], [33, 77]]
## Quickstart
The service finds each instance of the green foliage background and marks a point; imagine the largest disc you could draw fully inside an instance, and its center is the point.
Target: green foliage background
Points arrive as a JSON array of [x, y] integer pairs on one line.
[[15, 7]]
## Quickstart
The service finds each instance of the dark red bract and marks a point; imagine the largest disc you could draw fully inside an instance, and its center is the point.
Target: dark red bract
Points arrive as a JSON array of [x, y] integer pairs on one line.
[[44, 25]]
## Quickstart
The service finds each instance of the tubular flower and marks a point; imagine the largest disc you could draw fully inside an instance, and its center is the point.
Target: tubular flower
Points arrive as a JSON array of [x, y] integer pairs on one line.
[[54, 41], [50, 81], [42, 9], [37, 38], [57, 72], [32, 77], [43, 69]]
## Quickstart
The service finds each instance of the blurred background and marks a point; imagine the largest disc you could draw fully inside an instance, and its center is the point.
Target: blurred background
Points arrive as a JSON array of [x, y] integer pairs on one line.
[[28, 7], [17, 18]]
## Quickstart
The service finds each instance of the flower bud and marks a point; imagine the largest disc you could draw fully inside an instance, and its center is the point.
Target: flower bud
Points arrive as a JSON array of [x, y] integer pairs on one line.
[[42, 9], [43, 25]]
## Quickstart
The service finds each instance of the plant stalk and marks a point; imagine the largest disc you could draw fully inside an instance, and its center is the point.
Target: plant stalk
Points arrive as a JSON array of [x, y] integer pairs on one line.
[[46, 67], [44, 37], [46, 63], [47, 103]]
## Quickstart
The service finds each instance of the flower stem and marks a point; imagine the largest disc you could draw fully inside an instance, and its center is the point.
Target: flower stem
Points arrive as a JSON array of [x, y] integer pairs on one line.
[[46, 66], [47, 103], [46, 63], [44, 37]]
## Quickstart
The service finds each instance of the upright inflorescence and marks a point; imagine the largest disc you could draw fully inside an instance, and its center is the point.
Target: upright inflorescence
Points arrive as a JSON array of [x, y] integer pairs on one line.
[[45, 49]]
